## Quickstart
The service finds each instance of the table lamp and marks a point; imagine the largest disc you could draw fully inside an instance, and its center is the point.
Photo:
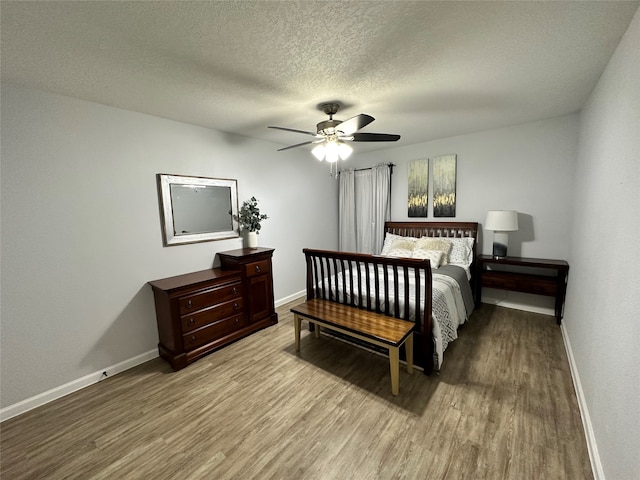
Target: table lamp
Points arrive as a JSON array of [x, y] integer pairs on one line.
[[501, 222]]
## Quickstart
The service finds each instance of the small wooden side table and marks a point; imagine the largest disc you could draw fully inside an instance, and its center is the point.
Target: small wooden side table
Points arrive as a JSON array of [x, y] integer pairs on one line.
[[528, 275]]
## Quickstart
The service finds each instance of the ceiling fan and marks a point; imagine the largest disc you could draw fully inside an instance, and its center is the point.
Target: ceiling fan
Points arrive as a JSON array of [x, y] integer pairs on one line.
[[331, 135]]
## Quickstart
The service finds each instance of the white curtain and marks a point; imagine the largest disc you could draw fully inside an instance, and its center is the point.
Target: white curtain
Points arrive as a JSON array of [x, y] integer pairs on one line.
[[347, 211], [365, 204]]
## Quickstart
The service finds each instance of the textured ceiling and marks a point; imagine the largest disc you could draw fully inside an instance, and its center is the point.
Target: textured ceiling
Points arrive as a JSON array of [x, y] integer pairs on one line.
[[424, 70]]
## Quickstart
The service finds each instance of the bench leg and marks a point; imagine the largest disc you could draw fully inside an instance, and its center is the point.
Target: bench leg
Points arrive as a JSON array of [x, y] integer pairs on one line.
[[297, 321], [394, 363], [408, 346], [316, 330]]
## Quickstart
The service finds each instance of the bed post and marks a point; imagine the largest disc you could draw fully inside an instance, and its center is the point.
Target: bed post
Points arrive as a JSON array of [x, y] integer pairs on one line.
[[310, 289], [427, 329]]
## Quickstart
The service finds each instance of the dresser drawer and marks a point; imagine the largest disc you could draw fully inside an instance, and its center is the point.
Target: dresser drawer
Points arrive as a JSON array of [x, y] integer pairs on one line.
[[517, 282], [214, 331], [207, 298], [506, 282], [257, 268], [210, 315], [539, 286]]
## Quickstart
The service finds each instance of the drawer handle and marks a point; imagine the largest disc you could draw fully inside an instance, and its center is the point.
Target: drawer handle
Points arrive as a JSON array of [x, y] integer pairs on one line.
[[236, 306], [257, 268], [191, 322], [237, 321], [192, 339], [189, 304], [234, 291]]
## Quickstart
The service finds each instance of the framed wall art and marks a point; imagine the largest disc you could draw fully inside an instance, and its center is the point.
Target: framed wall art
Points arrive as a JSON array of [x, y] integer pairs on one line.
[[418, 188], [444, 186]]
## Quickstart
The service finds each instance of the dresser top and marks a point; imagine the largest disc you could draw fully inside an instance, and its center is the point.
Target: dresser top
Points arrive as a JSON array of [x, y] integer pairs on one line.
[[523, 261], [245, 252], [179, 281]]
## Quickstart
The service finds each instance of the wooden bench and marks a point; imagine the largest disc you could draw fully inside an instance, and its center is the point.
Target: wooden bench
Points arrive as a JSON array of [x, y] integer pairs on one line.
[[376, 328]]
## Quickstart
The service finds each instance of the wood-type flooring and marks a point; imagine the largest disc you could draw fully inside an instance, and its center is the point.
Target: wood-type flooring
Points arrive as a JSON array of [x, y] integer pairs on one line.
[[503, 407]]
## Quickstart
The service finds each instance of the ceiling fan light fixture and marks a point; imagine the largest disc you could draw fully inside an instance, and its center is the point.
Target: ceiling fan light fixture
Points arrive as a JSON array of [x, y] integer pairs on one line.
[[332, 152], [344, 150], [319, 151]]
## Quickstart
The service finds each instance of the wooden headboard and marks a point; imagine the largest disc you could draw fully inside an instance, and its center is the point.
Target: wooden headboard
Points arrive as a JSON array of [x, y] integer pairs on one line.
[[440, 229], [433, 229]]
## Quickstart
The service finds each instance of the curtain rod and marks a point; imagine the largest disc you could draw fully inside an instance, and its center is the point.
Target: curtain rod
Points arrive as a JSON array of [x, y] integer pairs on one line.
[[390, 165]]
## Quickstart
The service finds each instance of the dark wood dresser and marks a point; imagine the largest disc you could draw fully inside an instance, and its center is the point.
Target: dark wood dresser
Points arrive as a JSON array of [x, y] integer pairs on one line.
[[200, 312]]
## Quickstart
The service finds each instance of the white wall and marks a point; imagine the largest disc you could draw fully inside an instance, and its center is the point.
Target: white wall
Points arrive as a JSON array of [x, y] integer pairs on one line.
[[603, 305], [81, 230], [528, 168]]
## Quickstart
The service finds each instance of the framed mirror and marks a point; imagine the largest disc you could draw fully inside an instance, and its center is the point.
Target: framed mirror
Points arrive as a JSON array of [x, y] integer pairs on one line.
[[197, 209]]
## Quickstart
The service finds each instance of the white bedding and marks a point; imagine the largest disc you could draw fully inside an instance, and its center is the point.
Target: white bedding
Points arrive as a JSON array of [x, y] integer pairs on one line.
[[448, 306]]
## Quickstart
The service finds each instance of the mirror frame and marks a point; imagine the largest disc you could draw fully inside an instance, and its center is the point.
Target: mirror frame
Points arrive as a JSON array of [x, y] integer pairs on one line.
[[164, 191]]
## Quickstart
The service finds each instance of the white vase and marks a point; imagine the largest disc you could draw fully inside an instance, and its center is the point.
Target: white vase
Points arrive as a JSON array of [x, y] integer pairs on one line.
[[252, 239]]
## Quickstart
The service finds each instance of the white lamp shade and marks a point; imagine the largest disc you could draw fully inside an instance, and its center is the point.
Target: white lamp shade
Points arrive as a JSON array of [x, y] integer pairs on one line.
[[502, 220], [331, 150], [344, 151], [318, 152]]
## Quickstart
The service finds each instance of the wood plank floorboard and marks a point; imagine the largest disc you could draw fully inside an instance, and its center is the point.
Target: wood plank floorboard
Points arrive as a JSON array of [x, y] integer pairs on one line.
[[503, 407]]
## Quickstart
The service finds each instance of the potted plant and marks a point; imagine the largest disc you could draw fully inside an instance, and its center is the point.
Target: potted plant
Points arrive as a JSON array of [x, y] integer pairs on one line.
[[250, 218]]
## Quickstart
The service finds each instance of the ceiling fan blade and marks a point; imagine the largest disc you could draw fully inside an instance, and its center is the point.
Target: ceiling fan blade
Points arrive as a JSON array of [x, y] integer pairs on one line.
[[375, 137], [294, 146], [294, 130], [354, 124]]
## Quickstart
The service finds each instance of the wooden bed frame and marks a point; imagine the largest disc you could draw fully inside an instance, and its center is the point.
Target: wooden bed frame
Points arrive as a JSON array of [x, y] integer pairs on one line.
[[447, 230], [324, 264]]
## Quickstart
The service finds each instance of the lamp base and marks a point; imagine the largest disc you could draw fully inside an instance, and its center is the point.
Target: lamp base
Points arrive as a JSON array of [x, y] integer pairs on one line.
[[499, 250], [500, 242]]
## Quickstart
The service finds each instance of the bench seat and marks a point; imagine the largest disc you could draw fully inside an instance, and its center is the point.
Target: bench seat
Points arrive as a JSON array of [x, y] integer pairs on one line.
[[381, 330]]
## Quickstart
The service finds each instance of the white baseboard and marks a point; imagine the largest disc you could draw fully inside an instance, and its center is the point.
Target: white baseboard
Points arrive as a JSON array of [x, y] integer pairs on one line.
[[73, 386], [290, 298], [519, 301], [529, 306], [592, 446], [59, 392]]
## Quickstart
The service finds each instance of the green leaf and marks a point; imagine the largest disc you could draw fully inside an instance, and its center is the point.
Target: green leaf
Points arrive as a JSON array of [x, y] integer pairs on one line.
[[249, 216]]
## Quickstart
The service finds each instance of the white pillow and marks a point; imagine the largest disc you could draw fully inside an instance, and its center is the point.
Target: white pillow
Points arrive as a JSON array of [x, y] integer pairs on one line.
[[392, 241], [400, 252], [434, 256], [435, 243], [461, 251]]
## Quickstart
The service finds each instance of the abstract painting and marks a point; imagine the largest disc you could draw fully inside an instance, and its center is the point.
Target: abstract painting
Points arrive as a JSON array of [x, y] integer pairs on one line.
[[418, 187], [444, 186]]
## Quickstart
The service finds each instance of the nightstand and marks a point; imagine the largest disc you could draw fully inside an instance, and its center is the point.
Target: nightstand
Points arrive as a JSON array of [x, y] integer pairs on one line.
[[528, 275]]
